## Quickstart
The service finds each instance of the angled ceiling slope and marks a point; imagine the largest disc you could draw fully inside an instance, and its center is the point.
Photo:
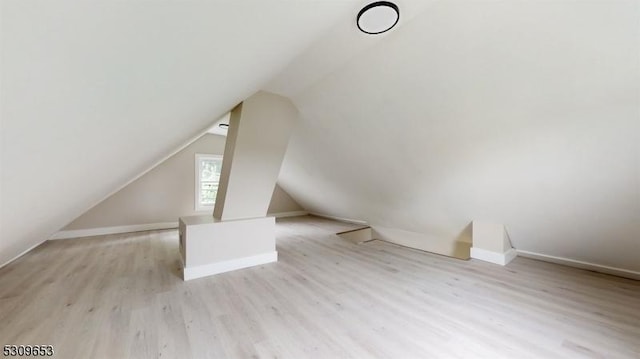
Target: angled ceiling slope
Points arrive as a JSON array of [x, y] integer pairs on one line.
[[522, 113], [96, 93]]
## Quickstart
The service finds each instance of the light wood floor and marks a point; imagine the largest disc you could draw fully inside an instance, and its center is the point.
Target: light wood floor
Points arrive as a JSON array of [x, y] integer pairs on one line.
[[122, 297]]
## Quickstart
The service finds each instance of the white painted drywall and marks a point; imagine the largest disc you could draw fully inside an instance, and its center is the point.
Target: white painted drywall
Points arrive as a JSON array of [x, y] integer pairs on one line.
[[165, 193], [342, 43], [210, 246], [208, 240], [525, 113], [161, 195], [491, 243], [94, 93], [257, 140], [282, 202], [456, 247], [490, 236]]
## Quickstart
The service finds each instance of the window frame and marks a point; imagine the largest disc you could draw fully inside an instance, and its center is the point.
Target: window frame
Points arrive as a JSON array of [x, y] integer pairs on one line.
[[198, 184]]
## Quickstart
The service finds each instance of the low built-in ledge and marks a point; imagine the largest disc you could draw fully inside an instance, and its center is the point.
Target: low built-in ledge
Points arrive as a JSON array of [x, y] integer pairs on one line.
[[210, 246], [491, 243], [359, 235], [451, 247]]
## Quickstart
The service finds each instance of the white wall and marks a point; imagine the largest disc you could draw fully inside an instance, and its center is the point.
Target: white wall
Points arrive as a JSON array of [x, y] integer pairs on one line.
[[523, 113], [282, 202], [257, 140], [164, 193], [95, 93]]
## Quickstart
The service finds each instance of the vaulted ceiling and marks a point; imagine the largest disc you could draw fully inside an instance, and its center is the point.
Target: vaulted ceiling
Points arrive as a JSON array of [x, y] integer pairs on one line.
[[95, 93], [525, 113]]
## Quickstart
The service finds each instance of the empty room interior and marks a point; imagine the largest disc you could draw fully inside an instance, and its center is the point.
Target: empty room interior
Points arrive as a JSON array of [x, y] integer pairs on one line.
[[320, 179]]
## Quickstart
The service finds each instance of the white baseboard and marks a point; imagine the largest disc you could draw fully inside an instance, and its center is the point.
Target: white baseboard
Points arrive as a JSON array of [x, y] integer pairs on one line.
[[582, 265], [21, 254], [227, 266], [89, 232], [494, 257], [340, 219], [288, 214]]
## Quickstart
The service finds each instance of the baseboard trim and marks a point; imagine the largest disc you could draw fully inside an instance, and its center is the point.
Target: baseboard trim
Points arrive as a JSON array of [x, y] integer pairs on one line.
[[494, 257], [90, 232], [21, 254], [288, 214], [206, 270], [625, 273], [340, 219]]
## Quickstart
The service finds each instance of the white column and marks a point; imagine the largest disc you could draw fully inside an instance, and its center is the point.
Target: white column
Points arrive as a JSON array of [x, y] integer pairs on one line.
[[257, 140], [239, 234]]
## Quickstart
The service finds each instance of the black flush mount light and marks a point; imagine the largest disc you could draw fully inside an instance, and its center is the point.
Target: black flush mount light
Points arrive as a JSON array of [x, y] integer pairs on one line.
[[378, 17], [224, 125]]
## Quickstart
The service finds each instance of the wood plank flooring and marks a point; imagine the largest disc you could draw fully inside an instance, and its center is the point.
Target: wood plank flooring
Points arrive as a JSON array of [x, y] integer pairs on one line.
[[121, 296]]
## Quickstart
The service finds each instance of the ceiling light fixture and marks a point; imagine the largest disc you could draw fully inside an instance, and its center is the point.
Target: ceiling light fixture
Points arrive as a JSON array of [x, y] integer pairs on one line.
[[378, 17]]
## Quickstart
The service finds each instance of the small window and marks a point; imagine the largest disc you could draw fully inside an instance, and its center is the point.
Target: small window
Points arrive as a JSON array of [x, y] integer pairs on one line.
[[208, 168]]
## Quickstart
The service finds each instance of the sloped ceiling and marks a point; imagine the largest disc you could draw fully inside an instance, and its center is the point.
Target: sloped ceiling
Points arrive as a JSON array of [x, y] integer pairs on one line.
[[525, 113], [519, 112], [96, 92]]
